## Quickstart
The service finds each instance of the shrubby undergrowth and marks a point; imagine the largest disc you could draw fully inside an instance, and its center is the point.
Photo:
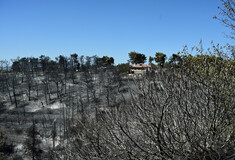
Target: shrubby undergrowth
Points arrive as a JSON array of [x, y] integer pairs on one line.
[[184, 112]]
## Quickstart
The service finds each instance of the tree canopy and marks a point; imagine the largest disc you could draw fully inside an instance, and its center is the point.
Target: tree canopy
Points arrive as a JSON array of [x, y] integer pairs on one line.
[[105, 60], [137, 57], [123, 67], [175, 60], [160, 58]]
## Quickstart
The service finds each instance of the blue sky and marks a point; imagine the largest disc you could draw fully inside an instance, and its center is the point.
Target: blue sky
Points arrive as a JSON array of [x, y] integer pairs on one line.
[[106, 27]]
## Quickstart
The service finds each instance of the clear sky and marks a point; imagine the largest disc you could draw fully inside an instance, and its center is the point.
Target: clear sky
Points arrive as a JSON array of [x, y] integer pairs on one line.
[[106, 27]]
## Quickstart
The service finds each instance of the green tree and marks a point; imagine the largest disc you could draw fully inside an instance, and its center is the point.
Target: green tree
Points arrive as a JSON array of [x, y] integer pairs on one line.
[[123, 67], [137, 57], [160, 58], [175, 60], [107, 60], [150, 59]]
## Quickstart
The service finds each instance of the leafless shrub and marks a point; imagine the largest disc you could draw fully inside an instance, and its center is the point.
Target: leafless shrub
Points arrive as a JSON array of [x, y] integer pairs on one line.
[[179, 114]]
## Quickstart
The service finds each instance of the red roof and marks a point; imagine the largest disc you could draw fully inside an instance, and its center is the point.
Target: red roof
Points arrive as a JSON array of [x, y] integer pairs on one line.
[[140, 65]]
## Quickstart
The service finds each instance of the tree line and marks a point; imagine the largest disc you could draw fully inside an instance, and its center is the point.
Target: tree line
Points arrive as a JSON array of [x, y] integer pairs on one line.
[[185, 110]]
